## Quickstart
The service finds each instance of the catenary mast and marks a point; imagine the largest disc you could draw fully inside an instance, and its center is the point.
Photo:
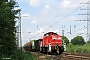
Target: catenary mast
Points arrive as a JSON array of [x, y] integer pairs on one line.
[[88, 20]]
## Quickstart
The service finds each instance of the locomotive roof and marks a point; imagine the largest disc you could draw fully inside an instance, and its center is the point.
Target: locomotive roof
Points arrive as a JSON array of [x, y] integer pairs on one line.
[[51, 32]]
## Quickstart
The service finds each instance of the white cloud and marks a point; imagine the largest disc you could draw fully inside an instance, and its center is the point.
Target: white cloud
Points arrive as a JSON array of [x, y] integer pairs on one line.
[[69, 4], [66, 3], [37, 34], [47, 6], [17, 8], [45, 30], [22, 0], [25, 15], [47, 9], [34, 3], [40, 31], [34, 21]]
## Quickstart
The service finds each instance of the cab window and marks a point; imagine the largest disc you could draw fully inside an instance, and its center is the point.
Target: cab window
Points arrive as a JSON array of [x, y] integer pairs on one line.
[[48, 34], [54, 33]]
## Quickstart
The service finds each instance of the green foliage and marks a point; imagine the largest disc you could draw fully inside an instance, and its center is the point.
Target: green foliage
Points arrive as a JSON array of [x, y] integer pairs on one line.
[[65, 39], [88, 41], [19, 55], [7, 27], [7, 33], [78, 40], [78, 48], [70, 47]]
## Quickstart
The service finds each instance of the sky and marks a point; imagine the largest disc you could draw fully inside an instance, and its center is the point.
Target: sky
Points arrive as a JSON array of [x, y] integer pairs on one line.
[[41, 16]]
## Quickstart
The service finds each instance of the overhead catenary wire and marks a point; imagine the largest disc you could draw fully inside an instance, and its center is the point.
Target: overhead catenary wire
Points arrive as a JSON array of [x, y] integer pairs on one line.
[[50, 21], [66, 16], [66, 9]]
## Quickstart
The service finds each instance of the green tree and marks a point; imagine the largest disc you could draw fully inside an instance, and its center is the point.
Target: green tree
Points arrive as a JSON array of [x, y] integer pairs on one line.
[[78, 40], [65, 39], [7, 26], [88, 40]]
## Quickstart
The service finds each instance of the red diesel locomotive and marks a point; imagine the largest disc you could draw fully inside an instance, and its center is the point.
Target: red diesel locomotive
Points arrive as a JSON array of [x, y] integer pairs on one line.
[[51, 42]]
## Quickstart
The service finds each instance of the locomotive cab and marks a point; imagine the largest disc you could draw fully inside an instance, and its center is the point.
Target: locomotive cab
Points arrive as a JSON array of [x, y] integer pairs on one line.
[[52, 42]]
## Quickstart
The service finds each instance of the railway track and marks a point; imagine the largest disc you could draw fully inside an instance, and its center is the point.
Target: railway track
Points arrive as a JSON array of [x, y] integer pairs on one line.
[[63, 56], [76, 56]]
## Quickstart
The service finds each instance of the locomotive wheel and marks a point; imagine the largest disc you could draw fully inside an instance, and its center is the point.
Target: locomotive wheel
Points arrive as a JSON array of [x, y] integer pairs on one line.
[[44, 50]]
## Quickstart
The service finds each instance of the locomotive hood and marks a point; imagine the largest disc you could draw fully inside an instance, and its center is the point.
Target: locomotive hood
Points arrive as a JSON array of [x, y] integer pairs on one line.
[[56, 37]]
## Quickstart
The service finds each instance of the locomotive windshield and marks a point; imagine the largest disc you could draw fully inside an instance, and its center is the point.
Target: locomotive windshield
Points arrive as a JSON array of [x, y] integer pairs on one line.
[[47, 34], [54, 33]]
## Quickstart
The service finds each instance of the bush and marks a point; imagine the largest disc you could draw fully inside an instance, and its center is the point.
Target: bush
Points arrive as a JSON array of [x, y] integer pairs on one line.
[[69, 47], [19, 55], [78, 48]]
